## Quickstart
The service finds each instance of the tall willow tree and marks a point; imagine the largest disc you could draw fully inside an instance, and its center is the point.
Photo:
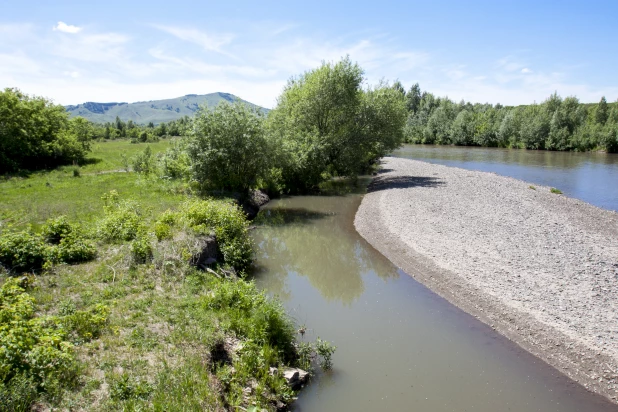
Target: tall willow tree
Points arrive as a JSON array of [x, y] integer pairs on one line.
[[325, 124]]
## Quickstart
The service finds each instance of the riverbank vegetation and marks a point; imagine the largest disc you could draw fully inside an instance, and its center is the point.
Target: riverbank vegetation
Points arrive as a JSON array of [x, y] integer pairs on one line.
[[555, 124], [125, 268]]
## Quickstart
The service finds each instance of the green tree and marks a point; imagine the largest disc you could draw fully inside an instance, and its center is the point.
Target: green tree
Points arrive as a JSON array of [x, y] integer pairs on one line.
[[413, 98], [228, 147], [326, 124], [602, 112], [83, 131], [35, 133]]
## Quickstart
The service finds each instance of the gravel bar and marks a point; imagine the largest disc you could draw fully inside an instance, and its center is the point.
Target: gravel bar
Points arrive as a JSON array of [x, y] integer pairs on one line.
[[540, 268]]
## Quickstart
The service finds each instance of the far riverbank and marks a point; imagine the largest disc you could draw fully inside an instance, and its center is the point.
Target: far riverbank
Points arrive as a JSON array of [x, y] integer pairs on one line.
[[540, 268]]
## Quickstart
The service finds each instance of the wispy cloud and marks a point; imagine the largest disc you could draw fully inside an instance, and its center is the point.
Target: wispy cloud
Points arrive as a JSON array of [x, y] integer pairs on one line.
[[254, 63], [207, 41], [66, 28]]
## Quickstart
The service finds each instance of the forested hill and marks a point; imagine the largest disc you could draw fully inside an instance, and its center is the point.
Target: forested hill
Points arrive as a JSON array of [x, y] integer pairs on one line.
[[155, 111]]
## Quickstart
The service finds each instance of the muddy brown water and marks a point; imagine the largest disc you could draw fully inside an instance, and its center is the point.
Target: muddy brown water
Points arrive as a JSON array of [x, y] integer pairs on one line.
[[400, 347]]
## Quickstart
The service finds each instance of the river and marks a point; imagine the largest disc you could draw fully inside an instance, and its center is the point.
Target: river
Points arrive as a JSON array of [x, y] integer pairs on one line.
[[400, 346], [591, 177]]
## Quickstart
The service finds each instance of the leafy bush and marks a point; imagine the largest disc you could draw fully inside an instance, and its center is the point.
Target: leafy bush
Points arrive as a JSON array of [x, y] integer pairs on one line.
[[227, 222], [175, 163], [325, 350], [23, 251], [74, 248], [141, 249], [54, 230], [251, 315], [228, 148], [85, 325], [144, 162], [162, 231], [123, 220], [35, 133], [125, 387], [34, 352]]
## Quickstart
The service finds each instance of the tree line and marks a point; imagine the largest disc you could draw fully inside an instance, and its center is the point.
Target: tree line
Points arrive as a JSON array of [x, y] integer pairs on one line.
[[38, 134], [554, 124]]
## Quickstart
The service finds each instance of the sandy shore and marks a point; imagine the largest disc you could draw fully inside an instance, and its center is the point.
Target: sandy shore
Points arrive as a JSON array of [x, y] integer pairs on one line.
[[540, 268]]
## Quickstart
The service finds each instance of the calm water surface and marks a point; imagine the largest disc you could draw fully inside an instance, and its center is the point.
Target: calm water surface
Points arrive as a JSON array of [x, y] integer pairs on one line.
[[400, 346], [591, 177]]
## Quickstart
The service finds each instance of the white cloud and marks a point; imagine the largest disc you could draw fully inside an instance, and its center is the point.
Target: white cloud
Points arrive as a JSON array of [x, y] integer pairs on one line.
[[109, 66], [205, 40], [67, 28]]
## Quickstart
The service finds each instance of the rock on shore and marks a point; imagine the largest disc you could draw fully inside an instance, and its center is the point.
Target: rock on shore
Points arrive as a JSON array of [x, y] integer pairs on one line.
[[540, 268]]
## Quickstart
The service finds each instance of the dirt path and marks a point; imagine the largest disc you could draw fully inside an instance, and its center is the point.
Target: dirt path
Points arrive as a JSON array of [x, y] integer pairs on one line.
[[540, 268]]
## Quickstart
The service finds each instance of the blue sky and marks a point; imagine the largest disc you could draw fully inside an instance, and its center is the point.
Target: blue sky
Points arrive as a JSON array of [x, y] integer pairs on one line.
[[512, 52]]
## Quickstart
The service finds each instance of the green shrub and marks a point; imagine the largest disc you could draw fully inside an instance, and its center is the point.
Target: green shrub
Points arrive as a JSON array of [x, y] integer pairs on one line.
[[54, 230], [18, 394], [125, 387], [228, 148], [325, 350], [123, 220], [175, 163], [23, 251], [85, 325], [169, 217], [144, 162], [141, 249], [555, 191], [73, 248], [251, 315], [227, 222], [34, 351], [162, 231]]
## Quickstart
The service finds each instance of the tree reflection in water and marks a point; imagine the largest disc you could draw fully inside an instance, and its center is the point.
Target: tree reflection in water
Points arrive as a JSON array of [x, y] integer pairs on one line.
[[314, 237]]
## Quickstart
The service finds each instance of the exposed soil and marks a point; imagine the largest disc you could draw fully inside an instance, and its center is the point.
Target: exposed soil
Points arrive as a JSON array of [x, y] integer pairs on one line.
[[540, 268]]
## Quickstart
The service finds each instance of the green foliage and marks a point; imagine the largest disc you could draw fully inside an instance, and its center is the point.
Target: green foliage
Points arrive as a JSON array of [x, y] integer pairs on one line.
[[555, 124], [59, 241], [325, 351], [228, 148], [84, 325], [34, 352], [144, 162], [125, 387], [162, 231], [227, 222], [74, 248], [555, 191], [23, 251], [325, 124], [141, 249], [250, 314], [36, 133], [54, 230], [123, 219], [175, 162]]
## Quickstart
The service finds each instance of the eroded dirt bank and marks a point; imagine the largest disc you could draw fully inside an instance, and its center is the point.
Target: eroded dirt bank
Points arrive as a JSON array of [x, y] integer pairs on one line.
[[540, 268]]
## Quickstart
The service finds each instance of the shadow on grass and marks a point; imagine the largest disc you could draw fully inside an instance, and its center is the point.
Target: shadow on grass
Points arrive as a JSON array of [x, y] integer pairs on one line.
[[403, 182], [90, 161]]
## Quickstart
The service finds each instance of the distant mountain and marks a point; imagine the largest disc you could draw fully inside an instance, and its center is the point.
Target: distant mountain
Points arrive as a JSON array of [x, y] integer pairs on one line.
[[155, 111]]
